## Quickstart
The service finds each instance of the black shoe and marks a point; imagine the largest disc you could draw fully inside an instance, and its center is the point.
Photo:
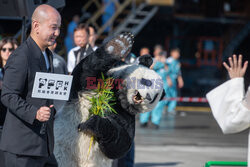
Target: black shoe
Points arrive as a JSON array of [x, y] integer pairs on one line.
[[154, 126], [144, 125]]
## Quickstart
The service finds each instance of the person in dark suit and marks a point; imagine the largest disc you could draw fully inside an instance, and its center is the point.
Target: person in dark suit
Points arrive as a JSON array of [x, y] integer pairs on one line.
[[27, 137]]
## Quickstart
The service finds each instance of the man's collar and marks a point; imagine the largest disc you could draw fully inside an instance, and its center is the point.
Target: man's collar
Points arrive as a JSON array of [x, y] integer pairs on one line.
[[34, 47]]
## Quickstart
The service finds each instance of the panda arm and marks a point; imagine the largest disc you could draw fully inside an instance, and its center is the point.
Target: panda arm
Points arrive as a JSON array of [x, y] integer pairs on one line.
[[92, 66], [113, 138], [100, 61]]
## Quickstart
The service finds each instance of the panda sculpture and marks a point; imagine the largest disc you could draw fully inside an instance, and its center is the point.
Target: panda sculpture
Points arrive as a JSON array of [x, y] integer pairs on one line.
[[139, 91]]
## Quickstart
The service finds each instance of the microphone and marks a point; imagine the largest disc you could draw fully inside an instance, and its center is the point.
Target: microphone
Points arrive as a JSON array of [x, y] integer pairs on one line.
[[43, 128], [44, 124]]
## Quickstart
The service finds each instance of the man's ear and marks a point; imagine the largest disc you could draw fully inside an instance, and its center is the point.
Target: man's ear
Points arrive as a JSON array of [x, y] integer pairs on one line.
[[35, 24], [162, 95]]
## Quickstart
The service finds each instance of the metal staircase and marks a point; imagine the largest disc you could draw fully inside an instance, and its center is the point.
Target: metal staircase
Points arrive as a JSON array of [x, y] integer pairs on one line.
[[235, 42], [137, 19], [128, 16]]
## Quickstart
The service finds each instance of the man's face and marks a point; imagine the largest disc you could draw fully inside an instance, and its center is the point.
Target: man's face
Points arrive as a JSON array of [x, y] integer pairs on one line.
[[144, 51], [157, 52], [49, 30], [81, 37]]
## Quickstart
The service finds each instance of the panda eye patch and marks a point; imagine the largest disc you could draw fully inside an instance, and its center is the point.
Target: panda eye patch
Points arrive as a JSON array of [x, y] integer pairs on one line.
[[154, 99], [146, 82], [148, 97]]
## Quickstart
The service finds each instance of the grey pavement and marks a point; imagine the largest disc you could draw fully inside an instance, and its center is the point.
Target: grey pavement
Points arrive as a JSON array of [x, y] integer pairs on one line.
[[187, 141]]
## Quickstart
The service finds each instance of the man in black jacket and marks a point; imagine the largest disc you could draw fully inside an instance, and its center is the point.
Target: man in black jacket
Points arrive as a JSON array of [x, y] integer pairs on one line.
[[27, 138], [83, 47]]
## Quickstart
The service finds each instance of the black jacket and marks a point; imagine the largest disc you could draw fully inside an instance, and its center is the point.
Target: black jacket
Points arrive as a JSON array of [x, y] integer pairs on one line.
[[82, 53], [21, 131]]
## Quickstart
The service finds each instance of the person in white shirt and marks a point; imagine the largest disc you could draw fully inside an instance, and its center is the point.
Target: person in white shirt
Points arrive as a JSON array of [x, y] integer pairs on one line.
[[230, 105], [82, 49], [71, 59]]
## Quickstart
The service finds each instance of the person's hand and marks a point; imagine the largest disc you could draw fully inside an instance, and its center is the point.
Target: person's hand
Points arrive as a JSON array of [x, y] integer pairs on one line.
[[43, 114], [235, 69], [152, 66], [166, 67], [180, 82], [169, 81]]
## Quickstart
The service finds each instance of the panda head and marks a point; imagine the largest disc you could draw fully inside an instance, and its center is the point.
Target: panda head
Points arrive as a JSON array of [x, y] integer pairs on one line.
[[140, 90]]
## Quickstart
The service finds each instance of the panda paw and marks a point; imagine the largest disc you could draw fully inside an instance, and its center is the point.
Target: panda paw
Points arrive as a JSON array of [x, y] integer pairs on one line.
[[120, 46], [92, 126], [84, 128]]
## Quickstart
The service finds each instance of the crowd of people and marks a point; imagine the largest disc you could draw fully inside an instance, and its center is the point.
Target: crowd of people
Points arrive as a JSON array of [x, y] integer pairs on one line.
[[169, 68]]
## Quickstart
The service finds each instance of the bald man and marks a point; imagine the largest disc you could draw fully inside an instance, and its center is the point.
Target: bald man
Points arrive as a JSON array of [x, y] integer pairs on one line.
[[27, 138]]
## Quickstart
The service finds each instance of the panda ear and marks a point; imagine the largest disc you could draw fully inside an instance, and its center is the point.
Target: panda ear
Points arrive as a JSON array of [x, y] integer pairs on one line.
[[162, 95], [146, 60]]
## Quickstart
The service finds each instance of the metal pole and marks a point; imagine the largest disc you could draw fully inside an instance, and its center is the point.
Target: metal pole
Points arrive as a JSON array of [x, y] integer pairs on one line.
[[133, 6]]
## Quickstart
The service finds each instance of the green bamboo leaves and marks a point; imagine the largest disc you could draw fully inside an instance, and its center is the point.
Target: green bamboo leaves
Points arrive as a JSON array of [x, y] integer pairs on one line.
[[102, 102]]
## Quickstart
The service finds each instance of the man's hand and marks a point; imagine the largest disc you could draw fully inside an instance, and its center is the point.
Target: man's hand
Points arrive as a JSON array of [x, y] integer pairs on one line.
[[43, 114], [235, 70]]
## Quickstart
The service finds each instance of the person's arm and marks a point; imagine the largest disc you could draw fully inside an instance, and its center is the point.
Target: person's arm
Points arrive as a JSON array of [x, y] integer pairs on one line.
[[227, 100], [153, 64], [169, 81], [14, 85], [71, 61], [158, 65], [180, 81]]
